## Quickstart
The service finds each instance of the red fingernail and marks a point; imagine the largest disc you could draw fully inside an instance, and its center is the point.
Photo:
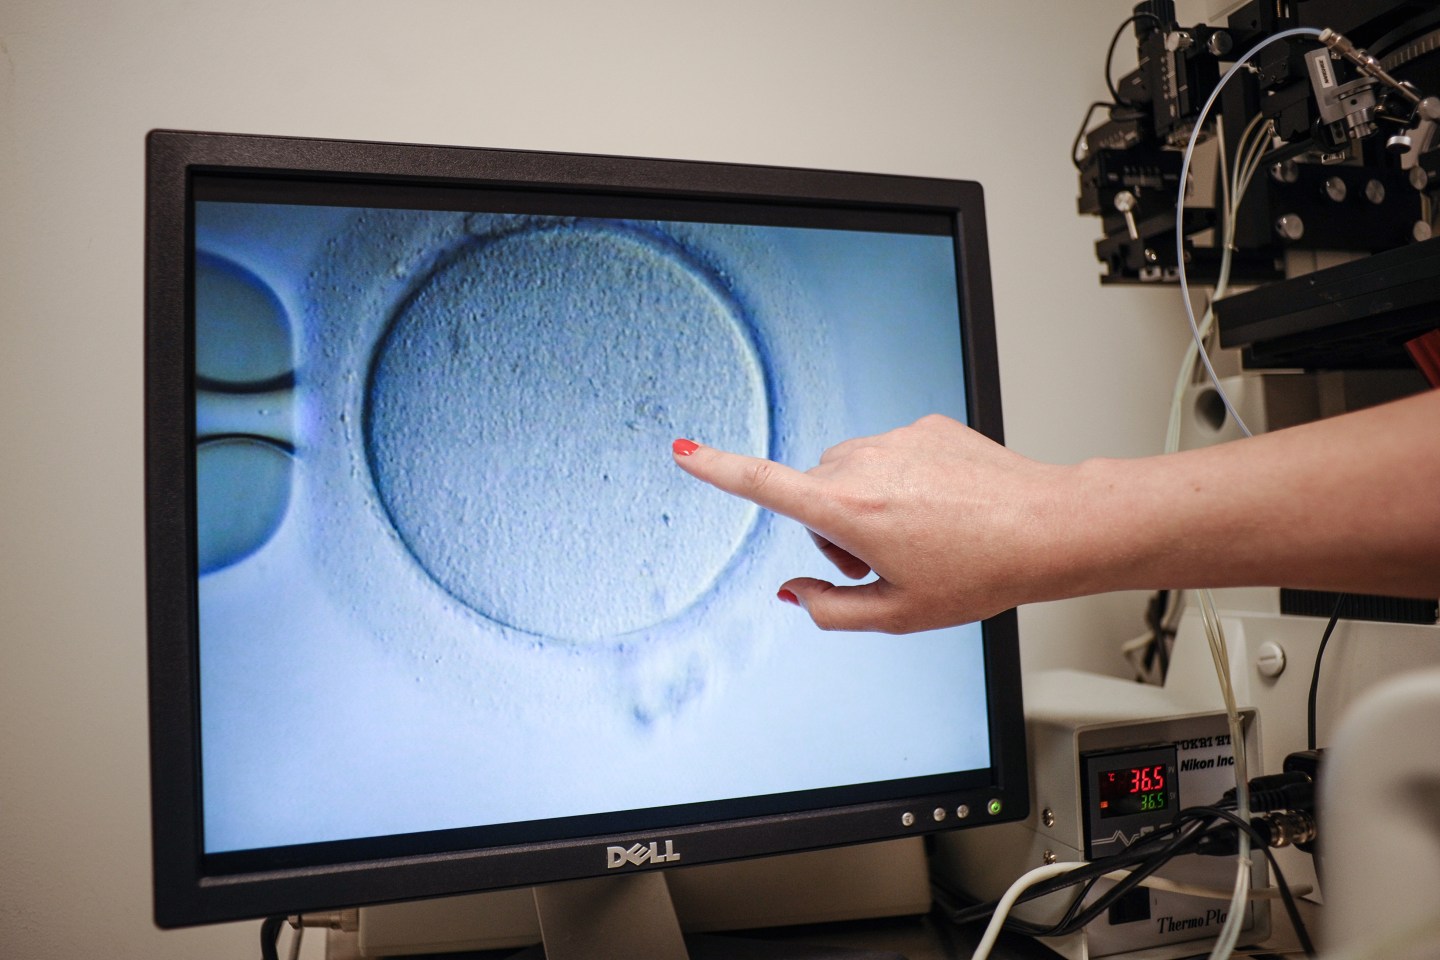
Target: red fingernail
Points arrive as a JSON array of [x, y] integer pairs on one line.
[[788, 597], [683, 448]]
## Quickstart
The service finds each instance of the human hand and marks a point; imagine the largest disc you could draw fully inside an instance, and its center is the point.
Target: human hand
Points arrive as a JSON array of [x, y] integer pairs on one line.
[[952, 524]]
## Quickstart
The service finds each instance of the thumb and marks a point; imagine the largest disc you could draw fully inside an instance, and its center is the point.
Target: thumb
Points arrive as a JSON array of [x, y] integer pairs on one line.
[[866, 606]]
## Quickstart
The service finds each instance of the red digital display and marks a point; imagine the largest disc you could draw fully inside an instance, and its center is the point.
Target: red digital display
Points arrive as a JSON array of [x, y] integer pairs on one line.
[[1125, 791]]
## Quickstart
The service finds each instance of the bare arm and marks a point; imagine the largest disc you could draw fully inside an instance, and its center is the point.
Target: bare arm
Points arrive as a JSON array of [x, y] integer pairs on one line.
[[957, 528]]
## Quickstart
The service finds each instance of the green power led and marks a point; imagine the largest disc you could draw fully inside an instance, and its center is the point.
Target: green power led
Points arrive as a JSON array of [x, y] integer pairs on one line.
[[993, 807]]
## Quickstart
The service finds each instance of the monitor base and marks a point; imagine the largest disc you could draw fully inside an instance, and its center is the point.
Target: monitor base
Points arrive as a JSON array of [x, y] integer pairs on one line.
[[631, 917]]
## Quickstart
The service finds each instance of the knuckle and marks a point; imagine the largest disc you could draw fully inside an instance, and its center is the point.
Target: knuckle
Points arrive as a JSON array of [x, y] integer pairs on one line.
[[759, 475]]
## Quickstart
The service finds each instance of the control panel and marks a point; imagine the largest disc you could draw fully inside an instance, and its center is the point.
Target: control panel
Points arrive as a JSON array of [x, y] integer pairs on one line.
[[1127, 794], [1112, 761]]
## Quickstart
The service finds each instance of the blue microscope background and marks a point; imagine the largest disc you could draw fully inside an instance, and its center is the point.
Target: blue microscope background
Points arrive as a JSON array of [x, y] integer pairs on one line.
[[564, 623]]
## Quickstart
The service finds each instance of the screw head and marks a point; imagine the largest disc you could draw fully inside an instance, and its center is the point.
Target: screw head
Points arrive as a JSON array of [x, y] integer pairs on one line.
[[1270, 659], [1048, 857], [1285, 171], [1047, 817], [1290, 226]]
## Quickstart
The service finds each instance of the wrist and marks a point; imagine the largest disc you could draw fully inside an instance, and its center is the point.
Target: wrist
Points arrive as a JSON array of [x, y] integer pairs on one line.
[[1110, 533], [1062, 532]]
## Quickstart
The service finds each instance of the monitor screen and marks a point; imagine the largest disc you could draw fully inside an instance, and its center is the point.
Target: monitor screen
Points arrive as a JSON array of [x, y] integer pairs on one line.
[[433, 610]]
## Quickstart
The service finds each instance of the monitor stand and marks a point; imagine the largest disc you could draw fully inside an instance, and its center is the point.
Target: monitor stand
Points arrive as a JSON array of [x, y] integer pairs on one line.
[[631, 917]]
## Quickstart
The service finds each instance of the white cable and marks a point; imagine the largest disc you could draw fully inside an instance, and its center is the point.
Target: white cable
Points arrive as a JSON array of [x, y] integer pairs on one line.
[[1234, 921], [1208, 893], [1233, 189], [1180, 212], [1002, 909]]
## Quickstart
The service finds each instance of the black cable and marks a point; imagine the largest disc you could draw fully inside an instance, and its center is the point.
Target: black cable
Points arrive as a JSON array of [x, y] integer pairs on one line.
[[1208, 815], [1110, 54], [1075, 920], [1142, 864], [1315, 677], [1115, 100], [1286, 897], [1075, 144], [1138, 855], [1164, 634], [270, 937]]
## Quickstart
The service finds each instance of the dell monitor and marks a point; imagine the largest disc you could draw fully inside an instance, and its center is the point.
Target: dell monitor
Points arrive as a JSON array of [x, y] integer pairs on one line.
[[431, 610]]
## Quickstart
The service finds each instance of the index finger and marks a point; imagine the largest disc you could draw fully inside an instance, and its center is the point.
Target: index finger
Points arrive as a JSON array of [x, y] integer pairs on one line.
[[772, 485]]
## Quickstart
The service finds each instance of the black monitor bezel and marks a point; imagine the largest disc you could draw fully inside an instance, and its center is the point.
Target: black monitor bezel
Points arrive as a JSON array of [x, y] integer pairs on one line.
[[187, 891]]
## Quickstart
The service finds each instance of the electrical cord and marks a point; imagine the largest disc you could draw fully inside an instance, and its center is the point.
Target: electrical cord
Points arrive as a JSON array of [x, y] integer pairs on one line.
[[1286, 894], [1234, 184], [1211, 893], [1110, 54], [1230, 932], [1190, 827], [270, 937], [1083, 872], [1080, 134], [1315, 676], [1140, 857], [1180, 208], [1115, 101], [270, 929], [1214, 632], [1002, 908]]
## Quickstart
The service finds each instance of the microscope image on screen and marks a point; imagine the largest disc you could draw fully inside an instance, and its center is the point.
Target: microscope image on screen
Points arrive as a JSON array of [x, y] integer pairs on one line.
[[434, 482]]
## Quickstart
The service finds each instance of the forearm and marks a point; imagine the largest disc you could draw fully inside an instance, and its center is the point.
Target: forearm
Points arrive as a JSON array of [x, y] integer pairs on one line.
[[1351, 503]]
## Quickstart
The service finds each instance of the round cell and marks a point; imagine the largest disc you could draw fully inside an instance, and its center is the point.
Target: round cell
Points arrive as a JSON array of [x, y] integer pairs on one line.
[[242, 490], [519, 414], [242, 331]]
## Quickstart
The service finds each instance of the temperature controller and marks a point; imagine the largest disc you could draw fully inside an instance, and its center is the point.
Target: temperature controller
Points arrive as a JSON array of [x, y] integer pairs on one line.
[[1111, 762], [1127, 794]]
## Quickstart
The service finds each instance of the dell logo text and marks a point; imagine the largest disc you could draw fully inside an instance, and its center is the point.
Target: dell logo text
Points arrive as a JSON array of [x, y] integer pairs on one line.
[[640, 853]]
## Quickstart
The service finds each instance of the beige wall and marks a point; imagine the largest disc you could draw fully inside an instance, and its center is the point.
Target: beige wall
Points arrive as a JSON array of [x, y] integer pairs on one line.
[[987, 91]]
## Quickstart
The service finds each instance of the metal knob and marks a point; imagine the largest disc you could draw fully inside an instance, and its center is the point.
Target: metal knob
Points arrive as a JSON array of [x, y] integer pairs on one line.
[[1179, 40], [1399, 145], [1290, 227], [1286, 171], [1125, 203]]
